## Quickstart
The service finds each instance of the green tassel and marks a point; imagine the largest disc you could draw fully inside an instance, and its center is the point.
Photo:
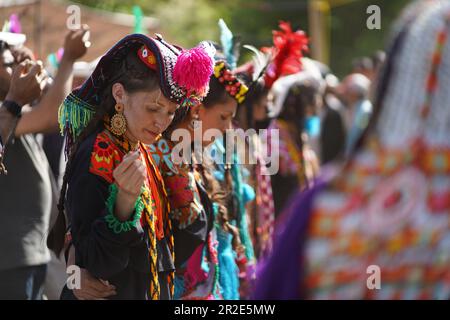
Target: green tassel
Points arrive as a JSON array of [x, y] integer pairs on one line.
[[116, 225], [74, 115]]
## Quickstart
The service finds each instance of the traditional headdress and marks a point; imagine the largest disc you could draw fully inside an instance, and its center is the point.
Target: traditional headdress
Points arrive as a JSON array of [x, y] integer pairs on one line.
[[288, 47], [226, 62], [280, 88], [284, 58], [258, 66], [183, 78]]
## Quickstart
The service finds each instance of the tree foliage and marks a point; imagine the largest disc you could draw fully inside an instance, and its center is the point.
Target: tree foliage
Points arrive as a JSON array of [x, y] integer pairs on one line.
[[187, 22]]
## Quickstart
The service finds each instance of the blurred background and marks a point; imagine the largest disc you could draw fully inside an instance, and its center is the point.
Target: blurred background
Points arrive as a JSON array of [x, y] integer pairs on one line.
[[337, 27]]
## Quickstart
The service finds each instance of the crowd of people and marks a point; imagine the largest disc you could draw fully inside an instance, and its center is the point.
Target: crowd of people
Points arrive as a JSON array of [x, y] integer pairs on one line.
[[326, 179]]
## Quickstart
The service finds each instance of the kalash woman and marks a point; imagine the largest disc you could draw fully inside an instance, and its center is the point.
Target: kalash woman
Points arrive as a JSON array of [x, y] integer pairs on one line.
[[253, 115], [195, 195], [116, 202], [212, 272], [198, 208], [235, 247], [296, 104], [295, 84]]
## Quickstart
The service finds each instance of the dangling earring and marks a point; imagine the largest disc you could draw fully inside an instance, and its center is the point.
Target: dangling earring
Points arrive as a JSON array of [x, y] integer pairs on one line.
[[195, 123], [118, 121]]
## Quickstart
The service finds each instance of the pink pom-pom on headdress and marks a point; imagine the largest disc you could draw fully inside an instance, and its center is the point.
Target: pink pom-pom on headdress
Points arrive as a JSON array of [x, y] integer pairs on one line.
[[193, 69]]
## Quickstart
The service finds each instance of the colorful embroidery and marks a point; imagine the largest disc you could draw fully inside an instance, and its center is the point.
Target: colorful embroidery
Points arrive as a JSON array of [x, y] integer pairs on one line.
[[153, 205], [180, 184], [162, 155], [157, 218], [148, 57], [391, 210], [343, 243], [105, 157]]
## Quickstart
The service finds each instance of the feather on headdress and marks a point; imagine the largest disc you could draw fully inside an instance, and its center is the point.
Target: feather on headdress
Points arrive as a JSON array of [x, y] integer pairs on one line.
[[260, 61], [226, 64], [289, 47], [230, 44]]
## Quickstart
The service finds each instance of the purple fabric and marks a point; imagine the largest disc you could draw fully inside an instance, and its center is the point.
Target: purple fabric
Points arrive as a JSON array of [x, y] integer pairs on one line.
[[278, 277]]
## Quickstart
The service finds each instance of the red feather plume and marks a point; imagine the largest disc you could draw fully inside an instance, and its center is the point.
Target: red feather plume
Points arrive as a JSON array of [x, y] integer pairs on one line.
[[288, 48]]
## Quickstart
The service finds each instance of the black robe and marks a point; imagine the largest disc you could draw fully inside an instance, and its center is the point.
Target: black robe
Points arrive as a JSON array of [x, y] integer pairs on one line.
[[122, 259]]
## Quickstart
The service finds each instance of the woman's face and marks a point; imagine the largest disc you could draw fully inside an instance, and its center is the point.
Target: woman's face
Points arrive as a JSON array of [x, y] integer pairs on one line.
[[148, 113], [218, 116]]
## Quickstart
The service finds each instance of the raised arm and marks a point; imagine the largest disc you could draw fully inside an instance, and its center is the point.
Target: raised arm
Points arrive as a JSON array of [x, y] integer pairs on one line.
[[25, 75], [44, 116]]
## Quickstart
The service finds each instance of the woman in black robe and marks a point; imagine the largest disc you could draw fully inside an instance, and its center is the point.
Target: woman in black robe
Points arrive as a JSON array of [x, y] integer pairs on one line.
[[116, 203]]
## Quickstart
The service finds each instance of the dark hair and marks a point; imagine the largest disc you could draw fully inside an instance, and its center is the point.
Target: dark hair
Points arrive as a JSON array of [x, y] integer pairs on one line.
[[299, 96], [134, 76], [217, 93], [219, 192], [257, 91]]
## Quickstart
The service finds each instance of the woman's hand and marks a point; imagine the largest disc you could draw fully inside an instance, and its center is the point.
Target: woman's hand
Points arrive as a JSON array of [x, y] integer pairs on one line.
[[129, 176], [90, 287], [76, 43], [26, 82]]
